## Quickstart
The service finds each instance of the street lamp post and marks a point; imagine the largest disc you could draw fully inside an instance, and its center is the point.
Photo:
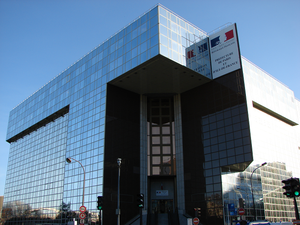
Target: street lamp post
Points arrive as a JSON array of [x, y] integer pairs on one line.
[[119, 160], [252, 188], [69, 161]]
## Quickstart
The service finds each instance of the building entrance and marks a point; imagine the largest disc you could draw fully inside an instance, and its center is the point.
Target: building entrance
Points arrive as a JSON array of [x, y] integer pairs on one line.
[[162, 206]]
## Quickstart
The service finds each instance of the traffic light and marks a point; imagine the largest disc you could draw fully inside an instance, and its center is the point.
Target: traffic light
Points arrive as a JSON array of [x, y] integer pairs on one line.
[[297, 191], [100, 203], [242, 203], [292, 187], [288, 188], [140, 200], [295, 187], [198, 212]]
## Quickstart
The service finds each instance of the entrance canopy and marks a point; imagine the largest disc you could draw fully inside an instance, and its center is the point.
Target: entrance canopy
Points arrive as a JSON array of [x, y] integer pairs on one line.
[[160, 75]]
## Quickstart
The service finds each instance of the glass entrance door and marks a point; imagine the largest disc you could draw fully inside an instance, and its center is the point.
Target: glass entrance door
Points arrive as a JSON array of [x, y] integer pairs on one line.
[[161, 206]]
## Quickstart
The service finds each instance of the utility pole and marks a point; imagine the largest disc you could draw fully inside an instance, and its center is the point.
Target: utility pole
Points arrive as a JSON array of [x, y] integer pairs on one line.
[[118, 211]]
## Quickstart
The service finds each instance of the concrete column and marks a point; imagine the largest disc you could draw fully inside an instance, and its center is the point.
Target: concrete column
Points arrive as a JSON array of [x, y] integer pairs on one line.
[[179, 155]]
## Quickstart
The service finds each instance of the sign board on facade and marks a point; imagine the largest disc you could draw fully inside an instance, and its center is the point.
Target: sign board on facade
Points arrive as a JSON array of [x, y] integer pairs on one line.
[[162, 193], [216, 55], [197, 58], [224, 51]]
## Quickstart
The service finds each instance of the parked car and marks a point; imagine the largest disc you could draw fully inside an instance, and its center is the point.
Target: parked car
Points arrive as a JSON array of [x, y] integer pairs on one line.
[[260, 222]]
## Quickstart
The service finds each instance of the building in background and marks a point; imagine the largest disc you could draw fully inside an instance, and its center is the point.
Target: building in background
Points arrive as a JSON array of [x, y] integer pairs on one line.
[[190, 118], [1, 205]]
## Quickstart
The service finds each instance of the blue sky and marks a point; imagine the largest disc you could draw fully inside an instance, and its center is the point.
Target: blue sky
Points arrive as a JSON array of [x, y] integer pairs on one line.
[[41, 38]]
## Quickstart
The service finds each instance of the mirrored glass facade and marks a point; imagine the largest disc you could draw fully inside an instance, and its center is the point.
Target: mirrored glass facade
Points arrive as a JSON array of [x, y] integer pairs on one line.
[[38, 186], [186, 140]]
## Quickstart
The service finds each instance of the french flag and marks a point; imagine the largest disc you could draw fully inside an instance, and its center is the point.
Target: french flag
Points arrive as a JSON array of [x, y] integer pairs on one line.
[[229, 35], [190, 54]]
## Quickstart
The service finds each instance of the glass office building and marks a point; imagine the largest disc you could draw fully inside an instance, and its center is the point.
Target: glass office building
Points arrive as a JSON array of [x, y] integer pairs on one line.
[[187, 139]]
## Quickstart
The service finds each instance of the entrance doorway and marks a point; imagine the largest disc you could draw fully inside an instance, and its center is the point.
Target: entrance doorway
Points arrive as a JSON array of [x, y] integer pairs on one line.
[[162, 206]]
